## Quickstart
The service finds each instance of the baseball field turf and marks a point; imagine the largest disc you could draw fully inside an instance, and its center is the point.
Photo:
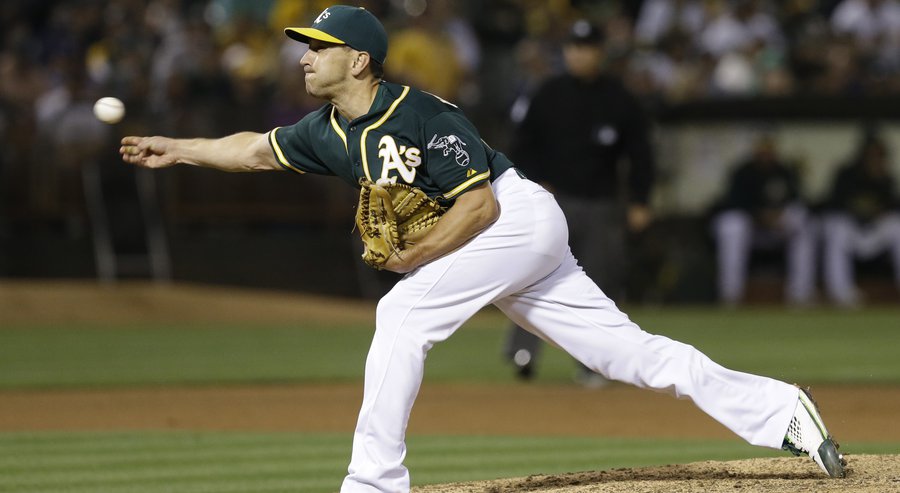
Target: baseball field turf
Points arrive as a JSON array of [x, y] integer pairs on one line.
[[139, 389]]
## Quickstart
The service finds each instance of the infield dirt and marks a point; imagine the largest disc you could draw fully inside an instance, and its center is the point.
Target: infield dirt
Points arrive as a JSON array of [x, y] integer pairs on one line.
[[867, 474]]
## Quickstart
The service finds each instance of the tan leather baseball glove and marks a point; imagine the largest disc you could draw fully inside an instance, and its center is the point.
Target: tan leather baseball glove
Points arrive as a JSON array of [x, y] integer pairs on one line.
[[391, 216]]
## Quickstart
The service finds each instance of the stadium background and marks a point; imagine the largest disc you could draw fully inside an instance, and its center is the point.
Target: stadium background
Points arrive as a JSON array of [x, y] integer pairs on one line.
[[124, 291], [207, 68]]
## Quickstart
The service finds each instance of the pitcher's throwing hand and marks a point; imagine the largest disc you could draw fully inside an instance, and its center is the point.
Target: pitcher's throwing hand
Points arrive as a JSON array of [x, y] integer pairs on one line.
[[148, 152]]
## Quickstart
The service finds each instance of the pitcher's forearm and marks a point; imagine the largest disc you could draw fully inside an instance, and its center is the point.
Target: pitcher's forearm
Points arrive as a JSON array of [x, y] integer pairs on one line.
[[244, 151], [471, 214]]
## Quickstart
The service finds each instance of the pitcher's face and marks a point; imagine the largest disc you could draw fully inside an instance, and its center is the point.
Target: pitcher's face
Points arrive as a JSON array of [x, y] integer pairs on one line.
[[326, 66]]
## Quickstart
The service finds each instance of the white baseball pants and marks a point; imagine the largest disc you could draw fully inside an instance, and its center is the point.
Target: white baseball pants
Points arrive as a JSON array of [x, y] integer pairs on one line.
[[736, 236], [523, 265], [845, 240]]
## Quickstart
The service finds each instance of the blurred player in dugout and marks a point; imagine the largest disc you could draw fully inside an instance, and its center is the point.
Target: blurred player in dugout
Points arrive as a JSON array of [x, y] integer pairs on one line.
[[763, 209], [571, 139], [861, 219]]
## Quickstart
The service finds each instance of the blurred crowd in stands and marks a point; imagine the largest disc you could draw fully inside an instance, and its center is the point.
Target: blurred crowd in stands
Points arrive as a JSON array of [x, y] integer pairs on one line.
[[212, 67]]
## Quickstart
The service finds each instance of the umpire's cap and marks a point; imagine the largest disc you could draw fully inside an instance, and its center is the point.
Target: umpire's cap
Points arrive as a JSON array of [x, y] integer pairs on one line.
[[355, 27]]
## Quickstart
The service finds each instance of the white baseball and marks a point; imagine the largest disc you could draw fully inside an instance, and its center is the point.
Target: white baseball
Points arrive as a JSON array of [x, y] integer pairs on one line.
[[109, 110]]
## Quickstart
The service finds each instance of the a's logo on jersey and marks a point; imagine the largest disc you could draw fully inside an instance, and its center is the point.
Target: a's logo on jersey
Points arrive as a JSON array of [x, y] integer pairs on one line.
[[403, 159], [451, 143], [324, 15]]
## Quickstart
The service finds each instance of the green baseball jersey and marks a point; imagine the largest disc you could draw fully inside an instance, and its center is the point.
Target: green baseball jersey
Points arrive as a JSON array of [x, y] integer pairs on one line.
[[408, 136]]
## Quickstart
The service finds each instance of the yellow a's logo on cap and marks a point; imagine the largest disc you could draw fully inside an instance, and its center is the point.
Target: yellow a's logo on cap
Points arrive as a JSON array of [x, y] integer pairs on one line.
[[324, 15]]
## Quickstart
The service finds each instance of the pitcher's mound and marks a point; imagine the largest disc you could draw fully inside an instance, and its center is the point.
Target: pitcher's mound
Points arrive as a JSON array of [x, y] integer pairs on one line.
[[865, 474]]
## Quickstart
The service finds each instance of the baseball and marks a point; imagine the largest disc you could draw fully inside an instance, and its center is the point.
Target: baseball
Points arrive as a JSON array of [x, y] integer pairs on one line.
[[109, 110]]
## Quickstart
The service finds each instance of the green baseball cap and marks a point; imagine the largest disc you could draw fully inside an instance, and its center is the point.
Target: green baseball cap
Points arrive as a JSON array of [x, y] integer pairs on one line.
[[355, 27]]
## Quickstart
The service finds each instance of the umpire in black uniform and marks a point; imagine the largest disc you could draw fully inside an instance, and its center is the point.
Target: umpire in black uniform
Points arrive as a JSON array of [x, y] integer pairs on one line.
[[572, 138]]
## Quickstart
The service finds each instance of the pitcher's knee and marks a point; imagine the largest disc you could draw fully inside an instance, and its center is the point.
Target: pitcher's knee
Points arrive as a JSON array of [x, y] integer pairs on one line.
[[395, 321]]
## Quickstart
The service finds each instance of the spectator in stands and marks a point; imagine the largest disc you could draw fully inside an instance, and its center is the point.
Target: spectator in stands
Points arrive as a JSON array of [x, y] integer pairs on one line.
[[862, 219], [763, 208], [738, 26], [435, 52], [748, 44], [658, 19], [873, 26]]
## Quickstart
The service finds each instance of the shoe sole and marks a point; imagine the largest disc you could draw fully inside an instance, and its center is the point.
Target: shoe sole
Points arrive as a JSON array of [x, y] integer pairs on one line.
[[830, 459]]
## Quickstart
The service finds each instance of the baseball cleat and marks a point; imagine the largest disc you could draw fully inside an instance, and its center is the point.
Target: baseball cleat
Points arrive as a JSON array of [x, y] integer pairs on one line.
[[807, 435]]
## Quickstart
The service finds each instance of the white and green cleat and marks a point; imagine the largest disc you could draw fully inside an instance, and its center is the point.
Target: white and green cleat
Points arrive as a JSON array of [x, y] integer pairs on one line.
[[807, 435]]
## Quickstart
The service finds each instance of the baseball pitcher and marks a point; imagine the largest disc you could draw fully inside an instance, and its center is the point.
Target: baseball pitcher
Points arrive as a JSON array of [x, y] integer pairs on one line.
[[498, 239]]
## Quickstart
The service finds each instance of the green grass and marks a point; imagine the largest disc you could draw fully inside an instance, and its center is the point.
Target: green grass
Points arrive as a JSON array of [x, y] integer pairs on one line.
[[815, 346], [188, 462], [809, 347], [189, 354]]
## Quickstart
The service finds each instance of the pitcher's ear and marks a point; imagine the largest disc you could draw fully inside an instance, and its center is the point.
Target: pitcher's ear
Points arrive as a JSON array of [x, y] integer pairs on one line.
[[361, 61]]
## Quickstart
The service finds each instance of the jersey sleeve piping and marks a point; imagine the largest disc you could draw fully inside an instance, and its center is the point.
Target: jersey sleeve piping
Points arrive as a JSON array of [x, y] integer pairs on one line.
[[467, 184], [337, 129], [279, 154]]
